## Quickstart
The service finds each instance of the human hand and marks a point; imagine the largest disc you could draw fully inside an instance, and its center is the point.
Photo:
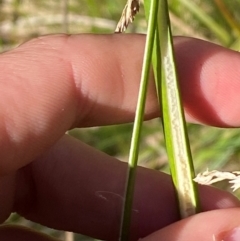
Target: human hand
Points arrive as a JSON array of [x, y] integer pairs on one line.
[[55, 83]]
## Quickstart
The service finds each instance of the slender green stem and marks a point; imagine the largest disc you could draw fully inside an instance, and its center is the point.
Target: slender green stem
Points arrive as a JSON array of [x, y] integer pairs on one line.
[[133, 156]]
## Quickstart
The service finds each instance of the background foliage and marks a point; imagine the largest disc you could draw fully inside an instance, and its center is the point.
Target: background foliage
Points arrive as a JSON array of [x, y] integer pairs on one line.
[[217, 21]]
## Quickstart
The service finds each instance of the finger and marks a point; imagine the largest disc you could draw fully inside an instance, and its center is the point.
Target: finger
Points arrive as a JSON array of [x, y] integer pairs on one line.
[[66, 81], [76, 188], [46, 83], [218, 225], [209, 79], [11, 233]]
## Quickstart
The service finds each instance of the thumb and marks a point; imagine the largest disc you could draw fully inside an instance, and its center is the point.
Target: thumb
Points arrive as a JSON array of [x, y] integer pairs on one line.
[[217, 225]]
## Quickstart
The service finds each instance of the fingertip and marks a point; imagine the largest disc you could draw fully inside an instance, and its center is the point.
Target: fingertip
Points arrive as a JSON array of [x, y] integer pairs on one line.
[[209, 80], [213, 198], [212, 225]]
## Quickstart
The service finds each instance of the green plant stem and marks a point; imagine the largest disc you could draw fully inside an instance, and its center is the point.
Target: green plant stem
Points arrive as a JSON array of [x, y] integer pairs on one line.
[[133, 156]]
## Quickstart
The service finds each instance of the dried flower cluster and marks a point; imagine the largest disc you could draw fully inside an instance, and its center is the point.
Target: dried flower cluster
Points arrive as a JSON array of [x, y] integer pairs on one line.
[[128, 14], [210, 177]]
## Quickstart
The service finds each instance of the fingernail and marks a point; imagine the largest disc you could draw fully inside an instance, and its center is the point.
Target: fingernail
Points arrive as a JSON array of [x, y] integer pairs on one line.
[[233, 235]]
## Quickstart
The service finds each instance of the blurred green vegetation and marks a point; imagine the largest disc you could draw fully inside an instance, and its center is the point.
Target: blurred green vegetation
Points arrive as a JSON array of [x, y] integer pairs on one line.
[[217, 21]]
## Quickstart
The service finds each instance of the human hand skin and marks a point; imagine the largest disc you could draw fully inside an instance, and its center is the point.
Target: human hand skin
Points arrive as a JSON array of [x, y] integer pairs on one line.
[[54, 83]]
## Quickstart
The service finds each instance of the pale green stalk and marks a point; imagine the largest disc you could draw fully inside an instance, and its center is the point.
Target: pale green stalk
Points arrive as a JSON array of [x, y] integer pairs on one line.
[[134, 149], [174, 124]]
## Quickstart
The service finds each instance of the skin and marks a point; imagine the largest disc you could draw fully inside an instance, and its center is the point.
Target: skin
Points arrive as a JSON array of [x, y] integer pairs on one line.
[[54, 83]]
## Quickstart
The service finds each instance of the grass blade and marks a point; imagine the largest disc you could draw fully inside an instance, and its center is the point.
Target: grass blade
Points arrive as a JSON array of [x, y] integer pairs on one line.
[[174, 124], [175, 131], [210, 23]]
